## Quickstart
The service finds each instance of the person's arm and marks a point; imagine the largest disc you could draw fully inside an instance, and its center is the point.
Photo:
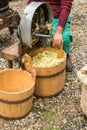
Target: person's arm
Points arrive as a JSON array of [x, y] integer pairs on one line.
[[57, 38], [65, 11], [1, 21]]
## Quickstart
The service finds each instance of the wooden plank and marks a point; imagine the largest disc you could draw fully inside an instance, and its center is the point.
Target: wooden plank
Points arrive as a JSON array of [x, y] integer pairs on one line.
[[11, 52]]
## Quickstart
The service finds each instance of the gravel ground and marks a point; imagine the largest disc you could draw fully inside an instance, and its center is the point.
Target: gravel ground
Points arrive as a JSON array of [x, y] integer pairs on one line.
[[61, 112]]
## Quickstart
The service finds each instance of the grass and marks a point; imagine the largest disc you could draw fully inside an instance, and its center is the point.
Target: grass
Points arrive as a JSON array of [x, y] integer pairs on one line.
[[51, 128], [47, 114]]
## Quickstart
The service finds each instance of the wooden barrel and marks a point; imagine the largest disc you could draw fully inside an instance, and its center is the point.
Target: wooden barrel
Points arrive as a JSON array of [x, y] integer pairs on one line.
[[49, 80], [16, 93]]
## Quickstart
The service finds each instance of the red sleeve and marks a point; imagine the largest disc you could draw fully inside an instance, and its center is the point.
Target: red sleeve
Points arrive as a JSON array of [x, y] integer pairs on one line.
[[64, 12], [29, 1]]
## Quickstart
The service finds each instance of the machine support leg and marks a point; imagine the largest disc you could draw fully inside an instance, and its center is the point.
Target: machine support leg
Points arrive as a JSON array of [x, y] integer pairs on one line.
[[10, 64]]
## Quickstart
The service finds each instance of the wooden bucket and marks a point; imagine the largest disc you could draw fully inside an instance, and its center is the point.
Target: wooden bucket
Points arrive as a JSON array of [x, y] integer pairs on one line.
[[16, 93], [50, 80]]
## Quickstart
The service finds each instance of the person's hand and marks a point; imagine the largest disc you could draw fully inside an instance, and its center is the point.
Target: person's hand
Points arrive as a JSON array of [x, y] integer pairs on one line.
[[57, 38], [1, 21]]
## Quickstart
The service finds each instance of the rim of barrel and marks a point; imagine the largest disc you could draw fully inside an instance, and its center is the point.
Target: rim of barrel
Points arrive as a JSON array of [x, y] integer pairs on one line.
[[50, 66]]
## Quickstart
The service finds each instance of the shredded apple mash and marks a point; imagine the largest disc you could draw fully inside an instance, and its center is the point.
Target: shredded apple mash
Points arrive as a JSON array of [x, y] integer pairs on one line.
[[46, 59]]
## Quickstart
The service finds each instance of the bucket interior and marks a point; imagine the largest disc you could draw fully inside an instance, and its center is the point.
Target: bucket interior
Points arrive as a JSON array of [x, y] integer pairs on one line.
[[61, 53], [13, 80]]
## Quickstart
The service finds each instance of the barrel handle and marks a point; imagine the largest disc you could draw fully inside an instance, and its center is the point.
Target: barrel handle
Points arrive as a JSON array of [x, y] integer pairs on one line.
[[60, 48], [28, 64]]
